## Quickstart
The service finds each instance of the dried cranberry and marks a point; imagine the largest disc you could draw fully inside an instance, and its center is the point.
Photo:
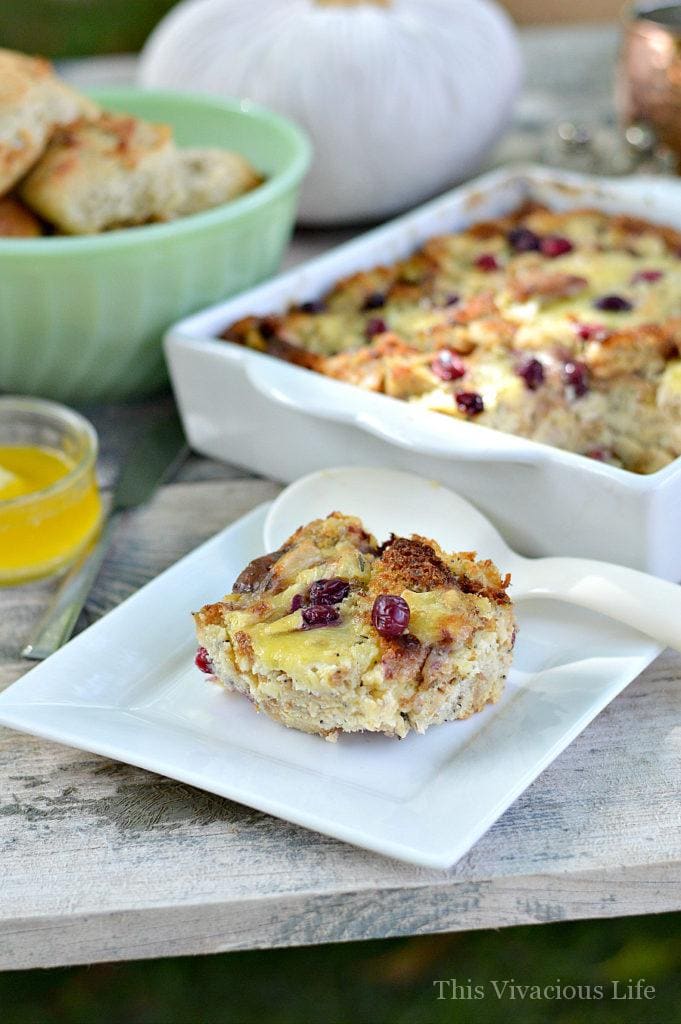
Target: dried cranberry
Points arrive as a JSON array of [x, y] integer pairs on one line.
[[470, 402], [487, 262], [576, 376], [591, 332], [374, 301], [313, 307], [600, 454], [447, 365], [613, 304], [319, 615], [555, 245], [331, 591], [203, 662], [523, 240], [647, 276], [532, 372], [390, 615], [376, 326], [297, 602], [268, 328]]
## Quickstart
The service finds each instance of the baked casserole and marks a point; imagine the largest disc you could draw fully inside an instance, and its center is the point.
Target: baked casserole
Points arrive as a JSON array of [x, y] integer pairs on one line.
[[336, 633], [564, 328]]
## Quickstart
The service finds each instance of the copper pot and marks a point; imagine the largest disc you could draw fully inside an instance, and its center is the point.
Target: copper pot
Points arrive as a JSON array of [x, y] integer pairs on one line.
[[648, 85]]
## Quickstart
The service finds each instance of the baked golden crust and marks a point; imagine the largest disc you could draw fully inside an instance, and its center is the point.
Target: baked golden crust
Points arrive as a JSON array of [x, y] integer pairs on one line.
[[97, 174], [84, 170], [33, 102], [210, 177], [16, 220], [345, 672], [563, 327]]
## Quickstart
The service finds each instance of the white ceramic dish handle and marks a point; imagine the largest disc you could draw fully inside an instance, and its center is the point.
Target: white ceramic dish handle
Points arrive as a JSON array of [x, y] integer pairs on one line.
[[422, 431], [651, 605]]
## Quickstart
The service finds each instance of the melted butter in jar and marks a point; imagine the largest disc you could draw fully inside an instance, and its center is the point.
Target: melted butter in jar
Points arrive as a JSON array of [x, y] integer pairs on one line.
[[49, 511]]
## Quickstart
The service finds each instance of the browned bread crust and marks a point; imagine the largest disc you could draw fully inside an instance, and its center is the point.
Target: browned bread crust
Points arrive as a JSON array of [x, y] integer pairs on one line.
[[17, 221], [593, 300], [33, 102], [97, 174], [348, 674]]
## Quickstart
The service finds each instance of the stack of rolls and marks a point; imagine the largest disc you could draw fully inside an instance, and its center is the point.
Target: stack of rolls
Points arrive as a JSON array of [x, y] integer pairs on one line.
[[69, 167]]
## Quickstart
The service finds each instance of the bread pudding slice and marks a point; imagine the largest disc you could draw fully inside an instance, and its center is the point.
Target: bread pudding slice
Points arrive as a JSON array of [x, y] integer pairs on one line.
[[335, 633]]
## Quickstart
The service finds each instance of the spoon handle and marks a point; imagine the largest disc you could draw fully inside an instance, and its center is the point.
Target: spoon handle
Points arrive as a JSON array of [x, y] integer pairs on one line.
[[648, 604]]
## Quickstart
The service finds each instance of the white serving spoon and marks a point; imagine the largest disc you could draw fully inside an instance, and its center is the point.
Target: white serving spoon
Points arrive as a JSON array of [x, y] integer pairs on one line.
[[390, 501]]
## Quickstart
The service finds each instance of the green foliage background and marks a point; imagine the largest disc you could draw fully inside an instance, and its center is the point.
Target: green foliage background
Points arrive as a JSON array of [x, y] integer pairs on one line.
[[388, 982], [74, 28]]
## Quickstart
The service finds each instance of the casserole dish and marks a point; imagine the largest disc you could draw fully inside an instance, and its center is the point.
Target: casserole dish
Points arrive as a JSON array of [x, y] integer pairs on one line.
[[282, 420]]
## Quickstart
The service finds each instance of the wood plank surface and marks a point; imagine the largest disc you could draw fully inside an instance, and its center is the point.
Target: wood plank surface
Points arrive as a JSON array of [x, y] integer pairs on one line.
[[102, 861]]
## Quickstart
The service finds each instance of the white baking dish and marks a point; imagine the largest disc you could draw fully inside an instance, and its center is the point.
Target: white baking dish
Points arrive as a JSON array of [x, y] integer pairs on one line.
[[282, 421]]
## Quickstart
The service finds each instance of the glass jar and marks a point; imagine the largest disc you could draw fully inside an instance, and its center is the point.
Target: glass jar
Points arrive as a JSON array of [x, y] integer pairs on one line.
[[45, 529]]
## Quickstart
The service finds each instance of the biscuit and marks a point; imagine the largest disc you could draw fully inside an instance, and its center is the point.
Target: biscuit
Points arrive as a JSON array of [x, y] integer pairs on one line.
[[209, 177], [16, 220], [334, 633], [116, 171], [33, 101]]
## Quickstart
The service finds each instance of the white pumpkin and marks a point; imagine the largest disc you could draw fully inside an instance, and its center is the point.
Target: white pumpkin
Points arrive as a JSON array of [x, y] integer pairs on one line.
[[401, 98]]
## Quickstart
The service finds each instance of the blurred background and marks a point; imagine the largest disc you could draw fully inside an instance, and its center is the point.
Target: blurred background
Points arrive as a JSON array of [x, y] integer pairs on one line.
[[528, 12], [82, 27], [389, 981]]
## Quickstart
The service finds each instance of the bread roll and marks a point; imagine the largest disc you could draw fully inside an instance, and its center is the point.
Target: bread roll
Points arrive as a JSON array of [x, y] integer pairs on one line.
[[116, 171], [33, 102], [210, 177]]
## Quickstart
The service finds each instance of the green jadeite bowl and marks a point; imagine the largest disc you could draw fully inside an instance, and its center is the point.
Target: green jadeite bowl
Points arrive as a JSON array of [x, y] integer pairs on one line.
[[81, 318]]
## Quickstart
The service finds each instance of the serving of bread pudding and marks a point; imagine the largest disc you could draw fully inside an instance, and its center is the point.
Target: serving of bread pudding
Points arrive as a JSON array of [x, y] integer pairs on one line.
[[561, 327], [77, 169], [335, 633]]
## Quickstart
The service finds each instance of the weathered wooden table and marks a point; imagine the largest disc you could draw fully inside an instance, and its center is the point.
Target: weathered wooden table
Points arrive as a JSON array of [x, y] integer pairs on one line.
[[102, 861]]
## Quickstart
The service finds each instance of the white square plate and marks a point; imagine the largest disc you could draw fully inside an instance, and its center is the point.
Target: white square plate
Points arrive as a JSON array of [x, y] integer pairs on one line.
[[127, 688]]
